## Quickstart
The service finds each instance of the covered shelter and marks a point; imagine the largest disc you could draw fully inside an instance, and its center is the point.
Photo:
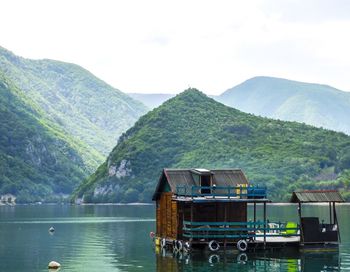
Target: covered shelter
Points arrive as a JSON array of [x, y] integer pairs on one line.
[[312, 231]]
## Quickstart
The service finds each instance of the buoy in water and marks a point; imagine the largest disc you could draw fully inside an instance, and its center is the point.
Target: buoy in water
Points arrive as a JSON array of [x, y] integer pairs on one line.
[[54, 265], [52, 229]]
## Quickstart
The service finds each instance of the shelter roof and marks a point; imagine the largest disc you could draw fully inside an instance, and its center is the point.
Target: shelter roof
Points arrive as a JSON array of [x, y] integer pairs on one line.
[[189, 177], [316, 196]]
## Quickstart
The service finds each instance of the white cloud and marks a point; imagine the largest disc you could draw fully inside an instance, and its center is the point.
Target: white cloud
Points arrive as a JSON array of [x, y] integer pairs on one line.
[[165, 46]]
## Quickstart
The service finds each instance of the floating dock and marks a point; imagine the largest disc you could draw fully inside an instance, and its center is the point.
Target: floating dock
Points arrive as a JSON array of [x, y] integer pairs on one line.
[[207, 209]]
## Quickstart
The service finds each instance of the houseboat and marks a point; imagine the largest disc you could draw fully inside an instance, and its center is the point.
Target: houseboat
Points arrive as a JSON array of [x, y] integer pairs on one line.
[[208, 209]]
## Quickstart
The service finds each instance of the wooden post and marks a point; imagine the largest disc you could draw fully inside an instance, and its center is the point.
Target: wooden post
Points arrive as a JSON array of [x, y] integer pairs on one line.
[[336, 221], [265, 225], [301, 228], [191, 211], [254, 220], [225, 219], [183, 218], [191, 217]]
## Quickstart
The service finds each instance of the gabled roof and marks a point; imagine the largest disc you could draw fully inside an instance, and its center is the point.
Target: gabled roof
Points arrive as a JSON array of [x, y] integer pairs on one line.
[[316, 196], [220, 177]]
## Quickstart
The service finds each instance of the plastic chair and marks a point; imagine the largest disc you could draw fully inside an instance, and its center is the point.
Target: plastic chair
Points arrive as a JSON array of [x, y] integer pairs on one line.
[[291, 228]]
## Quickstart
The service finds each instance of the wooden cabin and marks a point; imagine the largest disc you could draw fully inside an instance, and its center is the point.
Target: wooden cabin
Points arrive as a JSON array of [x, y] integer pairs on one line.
[[185, 198]]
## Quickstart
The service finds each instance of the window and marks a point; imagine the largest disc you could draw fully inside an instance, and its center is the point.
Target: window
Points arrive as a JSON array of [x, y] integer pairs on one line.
[[206, 182]]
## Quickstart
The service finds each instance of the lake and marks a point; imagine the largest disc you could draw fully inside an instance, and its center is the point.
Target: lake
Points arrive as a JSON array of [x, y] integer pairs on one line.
[[116, 238]]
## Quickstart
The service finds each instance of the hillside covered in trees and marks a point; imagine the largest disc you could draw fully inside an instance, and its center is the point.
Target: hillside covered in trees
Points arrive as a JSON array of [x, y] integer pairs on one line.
[[192, 130], [80, 103], [38, 161]]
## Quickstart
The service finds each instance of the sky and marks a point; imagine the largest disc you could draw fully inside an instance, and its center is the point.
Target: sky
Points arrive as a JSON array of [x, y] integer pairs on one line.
[[167, 46]]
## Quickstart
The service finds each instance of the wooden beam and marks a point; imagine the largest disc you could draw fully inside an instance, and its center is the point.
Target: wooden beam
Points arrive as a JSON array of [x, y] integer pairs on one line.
[[336, 222], [254, 217], [301, 228], [225, 219]]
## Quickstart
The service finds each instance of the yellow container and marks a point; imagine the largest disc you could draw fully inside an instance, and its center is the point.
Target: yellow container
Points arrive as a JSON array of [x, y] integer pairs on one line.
[[157, 241]]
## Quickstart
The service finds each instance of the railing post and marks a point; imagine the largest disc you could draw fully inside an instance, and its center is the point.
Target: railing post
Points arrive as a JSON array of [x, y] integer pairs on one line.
[[265, 225]]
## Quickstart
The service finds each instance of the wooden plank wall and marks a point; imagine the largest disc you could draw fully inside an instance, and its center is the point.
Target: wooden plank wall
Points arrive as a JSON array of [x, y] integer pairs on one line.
[[166, 217], [174, 221], [158, 216], [215, 212]]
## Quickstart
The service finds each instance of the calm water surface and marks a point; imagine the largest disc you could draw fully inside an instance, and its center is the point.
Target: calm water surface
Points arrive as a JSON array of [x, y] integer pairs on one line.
[[116, 238]]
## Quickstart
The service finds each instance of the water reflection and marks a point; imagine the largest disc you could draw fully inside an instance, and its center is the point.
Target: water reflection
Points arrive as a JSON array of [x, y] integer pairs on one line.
[[287, 260], [116, 238]]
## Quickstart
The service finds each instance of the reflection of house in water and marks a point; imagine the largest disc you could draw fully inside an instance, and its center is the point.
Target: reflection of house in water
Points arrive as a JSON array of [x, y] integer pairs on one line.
[[291, 261]]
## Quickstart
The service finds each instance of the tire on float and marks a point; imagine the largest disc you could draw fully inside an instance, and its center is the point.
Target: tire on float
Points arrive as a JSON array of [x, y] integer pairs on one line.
[[178, 245], [214, 245], [163, 243], [187, 247], [242, 258], [174, 245], [214, 258], [242, 245]]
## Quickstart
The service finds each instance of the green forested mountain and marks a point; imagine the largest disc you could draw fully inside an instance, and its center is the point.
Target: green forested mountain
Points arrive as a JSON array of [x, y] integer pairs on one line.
[[38, 161], [81, 104], [194, 131], [277, 98]]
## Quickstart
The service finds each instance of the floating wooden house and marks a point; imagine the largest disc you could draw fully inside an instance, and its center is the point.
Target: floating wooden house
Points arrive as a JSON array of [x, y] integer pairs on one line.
[[208, 208]]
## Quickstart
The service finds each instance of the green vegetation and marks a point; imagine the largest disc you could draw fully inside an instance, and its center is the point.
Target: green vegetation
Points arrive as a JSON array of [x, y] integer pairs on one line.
[[71, 97], [192, 130], [38, 161], [277, 98]]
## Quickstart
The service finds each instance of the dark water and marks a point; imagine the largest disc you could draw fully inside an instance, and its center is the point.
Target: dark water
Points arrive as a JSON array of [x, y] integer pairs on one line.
[[116, 238]]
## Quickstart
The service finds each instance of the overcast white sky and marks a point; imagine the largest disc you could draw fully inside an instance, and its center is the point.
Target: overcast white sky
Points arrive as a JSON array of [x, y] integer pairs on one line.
[[165, 46]]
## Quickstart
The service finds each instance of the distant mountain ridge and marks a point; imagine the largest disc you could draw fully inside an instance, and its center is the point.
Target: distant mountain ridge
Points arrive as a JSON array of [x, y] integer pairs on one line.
[[277, 98], [83, 105], [151, 100], [192, 130]]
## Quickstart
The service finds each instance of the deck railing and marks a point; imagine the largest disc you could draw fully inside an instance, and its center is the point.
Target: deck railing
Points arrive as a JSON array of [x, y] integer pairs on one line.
[[237, 230], [253, 192]]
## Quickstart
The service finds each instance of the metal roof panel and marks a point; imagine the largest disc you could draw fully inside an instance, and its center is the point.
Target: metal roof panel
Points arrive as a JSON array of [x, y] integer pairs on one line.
[[317, 196]]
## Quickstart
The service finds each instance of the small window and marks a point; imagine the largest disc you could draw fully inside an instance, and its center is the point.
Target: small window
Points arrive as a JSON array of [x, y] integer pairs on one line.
[[206, 182]]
